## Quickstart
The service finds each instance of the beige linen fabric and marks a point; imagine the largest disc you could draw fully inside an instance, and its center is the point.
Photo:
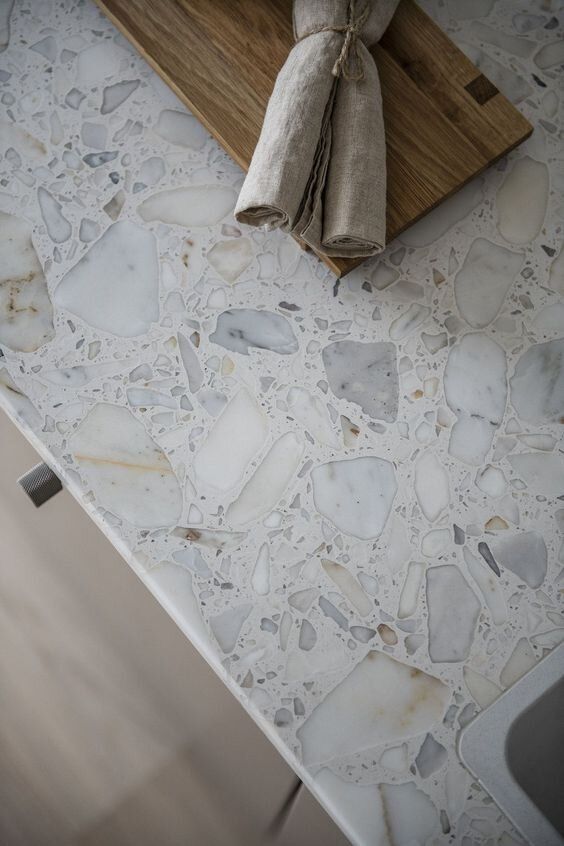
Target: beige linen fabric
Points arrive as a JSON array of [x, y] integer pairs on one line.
[[319, 167]]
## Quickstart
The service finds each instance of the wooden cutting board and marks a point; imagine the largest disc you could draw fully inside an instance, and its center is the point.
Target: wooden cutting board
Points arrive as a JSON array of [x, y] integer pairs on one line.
[[445, 121]]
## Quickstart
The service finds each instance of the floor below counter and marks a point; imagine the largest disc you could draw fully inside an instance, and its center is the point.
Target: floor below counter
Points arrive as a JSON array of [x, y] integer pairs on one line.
[[102, 738]]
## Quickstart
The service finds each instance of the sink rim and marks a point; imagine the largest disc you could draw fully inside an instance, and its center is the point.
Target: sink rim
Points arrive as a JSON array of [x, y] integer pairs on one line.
[[481, 746]]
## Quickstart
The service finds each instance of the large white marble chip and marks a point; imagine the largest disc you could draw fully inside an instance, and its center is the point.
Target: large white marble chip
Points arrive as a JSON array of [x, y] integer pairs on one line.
[[98, 62], [238, 329], [431, 486], [58, 227], [191, 206], [235, 438], [524, 554], [181, 129], [435, 542], [82, 374], [380, 814], [227, 625], [191, 558], [476, 391], [147, 397], [115, 285], [17, 401], [308, 410], [521, 660], [481, 284], [365, 374], [269, 482], [543, 473], [489, 585], [550, 54], [412, 816], [395, 758], [364, 816], [260, 578], [453, 613], [549, 321], [302, 665], [380, 701], [537, 385], [191, 364], [14, 137], [5, 12], [410, 590], [114, 95], [399, 549], [491, 481], [431, 757], [172, 585], [216, 539], [409, 321], [556, 273], [483, 690], [26, 314], [129, 474], [457, 782], [355, 494], [231, 258], [349, 586], [527, 178]]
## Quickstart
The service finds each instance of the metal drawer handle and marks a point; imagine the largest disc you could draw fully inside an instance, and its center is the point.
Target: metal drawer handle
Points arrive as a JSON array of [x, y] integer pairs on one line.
[[40, 483]]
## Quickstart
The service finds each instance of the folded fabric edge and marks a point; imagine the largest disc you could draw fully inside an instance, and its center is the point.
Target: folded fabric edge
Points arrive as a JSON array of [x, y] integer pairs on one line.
[[267, 216], [349, 248]]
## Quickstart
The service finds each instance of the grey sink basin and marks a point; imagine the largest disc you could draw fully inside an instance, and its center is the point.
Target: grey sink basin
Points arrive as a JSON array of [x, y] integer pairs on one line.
[[515, 749]]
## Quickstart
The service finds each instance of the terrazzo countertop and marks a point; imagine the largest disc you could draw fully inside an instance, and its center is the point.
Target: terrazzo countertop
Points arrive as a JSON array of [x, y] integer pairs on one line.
[[348, 495]]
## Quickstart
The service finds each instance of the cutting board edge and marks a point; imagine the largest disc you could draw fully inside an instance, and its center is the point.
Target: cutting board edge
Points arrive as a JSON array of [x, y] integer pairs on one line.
[[353, 263], [339, 266], [171, 84], [327, 260]]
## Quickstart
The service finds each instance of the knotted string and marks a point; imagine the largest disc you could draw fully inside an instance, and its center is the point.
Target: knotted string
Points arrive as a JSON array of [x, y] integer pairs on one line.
[[349, 62]]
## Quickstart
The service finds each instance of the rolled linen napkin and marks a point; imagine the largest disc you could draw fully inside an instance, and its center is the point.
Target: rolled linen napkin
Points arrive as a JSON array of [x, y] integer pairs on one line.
[[319, 167]]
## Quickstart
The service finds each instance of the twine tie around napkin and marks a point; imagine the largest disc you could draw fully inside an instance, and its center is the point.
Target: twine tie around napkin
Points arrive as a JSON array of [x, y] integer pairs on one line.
[[319, 167], [351, 31]]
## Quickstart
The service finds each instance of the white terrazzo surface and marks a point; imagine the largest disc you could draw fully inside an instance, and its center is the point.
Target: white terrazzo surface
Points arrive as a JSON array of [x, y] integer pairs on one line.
[[349, 496]]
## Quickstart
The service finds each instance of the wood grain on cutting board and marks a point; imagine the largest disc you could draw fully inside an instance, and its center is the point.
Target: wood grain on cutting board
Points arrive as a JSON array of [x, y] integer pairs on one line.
[[445, 122]]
